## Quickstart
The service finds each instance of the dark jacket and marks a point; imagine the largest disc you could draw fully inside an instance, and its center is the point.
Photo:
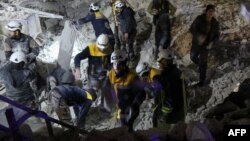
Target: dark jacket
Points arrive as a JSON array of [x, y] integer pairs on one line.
[[99, 62], [26, 43], [76, 97], [127, 20], [161, 5], [162, 31], [58, 74], [99, 22], [72, 94], [173, 89], [17, 83], [201, 27]]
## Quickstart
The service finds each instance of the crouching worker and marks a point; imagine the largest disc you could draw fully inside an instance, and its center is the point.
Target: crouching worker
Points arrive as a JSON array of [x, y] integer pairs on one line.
[[151, 79], [127, 89], [66, 95]]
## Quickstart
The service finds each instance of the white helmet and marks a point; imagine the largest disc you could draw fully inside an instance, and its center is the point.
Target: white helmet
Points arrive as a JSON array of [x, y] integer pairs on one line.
[[119, 4], [94, 7], [142, 68], [165, 54], [102, 41], [18, 57], [13, 26], [118, 56]]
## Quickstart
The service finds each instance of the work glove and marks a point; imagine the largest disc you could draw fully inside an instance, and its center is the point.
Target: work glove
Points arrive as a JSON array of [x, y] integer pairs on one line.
[[210, 46]]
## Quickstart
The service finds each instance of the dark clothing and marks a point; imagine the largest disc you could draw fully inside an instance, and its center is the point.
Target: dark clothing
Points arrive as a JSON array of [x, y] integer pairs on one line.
[[127, 20], [100, 24], [128, 45], [65, 96], [57, 78], [26, 43], [200, 26], [200, 59], [199, 52], [162, 32], [72, 94], [99, 62], [18, 83], [129, 93], [172, 97], [98, 65], [162, 6], [58, 74], [127, 25]]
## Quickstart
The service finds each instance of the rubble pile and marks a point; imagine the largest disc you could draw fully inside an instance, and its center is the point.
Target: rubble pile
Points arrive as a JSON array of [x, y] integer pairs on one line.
[[228, 62]]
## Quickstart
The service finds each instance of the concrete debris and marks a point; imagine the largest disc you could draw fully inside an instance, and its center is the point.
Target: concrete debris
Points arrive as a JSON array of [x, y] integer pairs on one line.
[[228, 63]]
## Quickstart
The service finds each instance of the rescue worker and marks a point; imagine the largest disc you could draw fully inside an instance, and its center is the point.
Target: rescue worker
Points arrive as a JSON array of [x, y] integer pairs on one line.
[[17, 41], [65, 95], [205, 31], [127, 27], [151, 78], [99, 22], [18, 80], [126, 89], [162, 33], [157, 7], [170, 105], [55, 78], [98, 55]]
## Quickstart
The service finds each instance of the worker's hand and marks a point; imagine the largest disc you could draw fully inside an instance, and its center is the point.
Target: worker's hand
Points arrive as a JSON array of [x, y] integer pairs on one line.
[[210, 45], [126, 37], [201, 39], [77, 73], [154, 12]]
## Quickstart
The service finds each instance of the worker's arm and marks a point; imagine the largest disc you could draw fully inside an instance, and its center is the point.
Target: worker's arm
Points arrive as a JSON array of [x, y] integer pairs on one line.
[[86, 19], [7, 50], [34, 51], [77, 61]]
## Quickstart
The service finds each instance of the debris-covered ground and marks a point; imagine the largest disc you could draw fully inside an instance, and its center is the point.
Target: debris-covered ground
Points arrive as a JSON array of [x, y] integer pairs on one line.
[[228, 62]]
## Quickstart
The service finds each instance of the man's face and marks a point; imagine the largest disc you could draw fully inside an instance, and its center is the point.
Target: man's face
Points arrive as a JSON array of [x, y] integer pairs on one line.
[[118, 67], [12, 33], [210, 13], [119, 9]]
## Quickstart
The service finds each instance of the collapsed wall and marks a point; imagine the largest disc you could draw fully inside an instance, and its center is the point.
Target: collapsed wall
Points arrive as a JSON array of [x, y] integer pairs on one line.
[[227, 74]]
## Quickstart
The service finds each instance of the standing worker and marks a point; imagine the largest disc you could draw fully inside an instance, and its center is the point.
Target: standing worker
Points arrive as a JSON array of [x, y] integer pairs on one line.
[[98, 55], [205, 31], [157, 7], [162, 33], [99, 22], [127, 27]]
